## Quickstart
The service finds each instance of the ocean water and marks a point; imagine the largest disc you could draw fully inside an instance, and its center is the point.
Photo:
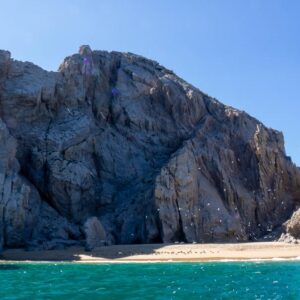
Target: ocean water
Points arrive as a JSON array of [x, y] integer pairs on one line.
[[222, 280]]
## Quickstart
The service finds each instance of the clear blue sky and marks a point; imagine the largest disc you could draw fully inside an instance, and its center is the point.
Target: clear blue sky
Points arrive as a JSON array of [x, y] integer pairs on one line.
[[244, 53]]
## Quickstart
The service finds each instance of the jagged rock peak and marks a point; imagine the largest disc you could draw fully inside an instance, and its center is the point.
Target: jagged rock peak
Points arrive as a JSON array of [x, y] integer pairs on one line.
[[5, 55], [5, 58], [85, 50]]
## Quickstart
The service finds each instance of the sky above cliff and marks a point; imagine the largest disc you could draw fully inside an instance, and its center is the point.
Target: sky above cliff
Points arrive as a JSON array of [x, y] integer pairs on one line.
[[244, 53]]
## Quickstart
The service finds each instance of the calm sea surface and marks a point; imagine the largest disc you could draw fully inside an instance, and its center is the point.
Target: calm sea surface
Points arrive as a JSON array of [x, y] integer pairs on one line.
[[223, 280]]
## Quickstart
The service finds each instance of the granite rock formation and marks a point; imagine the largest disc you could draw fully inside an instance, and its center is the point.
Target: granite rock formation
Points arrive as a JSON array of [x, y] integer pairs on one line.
[[291, 229], [118, 137]]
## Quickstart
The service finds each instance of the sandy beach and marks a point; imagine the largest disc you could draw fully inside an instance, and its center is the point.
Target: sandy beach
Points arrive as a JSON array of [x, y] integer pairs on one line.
[[161, 252]]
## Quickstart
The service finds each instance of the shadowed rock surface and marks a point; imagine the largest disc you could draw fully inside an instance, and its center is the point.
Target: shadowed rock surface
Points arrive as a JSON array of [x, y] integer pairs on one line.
[[94, 233], [119, 137]]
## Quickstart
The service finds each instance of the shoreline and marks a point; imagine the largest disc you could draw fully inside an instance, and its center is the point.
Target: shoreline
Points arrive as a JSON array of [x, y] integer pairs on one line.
[[156, 253]]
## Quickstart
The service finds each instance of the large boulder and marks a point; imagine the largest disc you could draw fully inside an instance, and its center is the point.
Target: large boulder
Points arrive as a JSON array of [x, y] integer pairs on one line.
[[119, 137], [95, 233], [291, 228]]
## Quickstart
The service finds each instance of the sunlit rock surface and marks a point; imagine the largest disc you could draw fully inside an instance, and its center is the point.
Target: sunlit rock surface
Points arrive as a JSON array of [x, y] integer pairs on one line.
[[119, 137], [291, 229]]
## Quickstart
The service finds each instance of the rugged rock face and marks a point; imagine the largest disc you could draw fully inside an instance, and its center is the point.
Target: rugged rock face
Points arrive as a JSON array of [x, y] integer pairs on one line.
[[118, 137], [291, 228], [25, 219]]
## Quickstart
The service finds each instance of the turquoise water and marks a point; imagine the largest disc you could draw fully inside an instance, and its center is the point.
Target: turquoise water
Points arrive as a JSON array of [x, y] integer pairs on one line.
[[242, 280]]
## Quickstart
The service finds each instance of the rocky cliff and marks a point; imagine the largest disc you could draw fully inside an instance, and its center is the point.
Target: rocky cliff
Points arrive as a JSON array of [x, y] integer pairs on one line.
[[118, 137]]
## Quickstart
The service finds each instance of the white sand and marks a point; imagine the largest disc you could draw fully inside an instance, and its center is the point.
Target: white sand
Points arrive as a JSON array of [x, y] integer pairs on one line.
[[162, 252]]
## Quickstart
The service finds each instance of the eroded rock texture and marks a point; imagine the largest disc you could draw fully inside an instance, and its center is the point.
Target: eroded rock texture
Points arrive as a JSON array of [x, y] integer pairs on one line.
[[118, 137], [291, 229]]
